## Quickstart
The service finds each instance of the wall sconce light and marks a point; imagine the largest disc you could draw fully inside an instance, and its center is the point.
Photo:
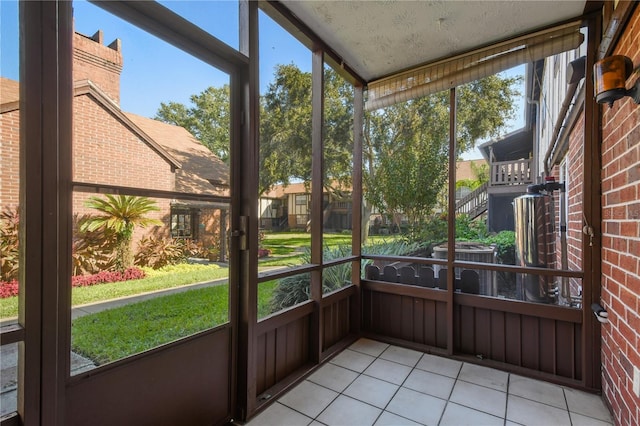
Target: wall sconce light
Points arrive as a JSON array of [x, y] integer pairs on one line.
[[601, 313], [610, 76]]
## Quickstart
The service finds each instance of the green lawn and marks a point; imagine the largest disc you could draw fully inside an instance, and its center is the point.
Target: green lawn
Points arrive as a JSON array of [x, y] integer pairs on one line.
[[287, 248], [169, 277], [116, 333]]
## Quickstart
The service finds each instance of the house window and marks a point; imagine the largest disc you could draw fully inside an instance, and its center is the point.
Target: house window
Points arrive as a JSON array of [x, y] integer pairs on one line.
[[301, 200], [184, 223]]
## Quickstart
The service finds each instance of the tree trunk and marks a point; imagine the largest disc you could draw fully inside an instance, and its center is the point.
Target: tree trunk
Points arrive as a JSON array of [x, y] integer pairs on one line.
[[124, 253]]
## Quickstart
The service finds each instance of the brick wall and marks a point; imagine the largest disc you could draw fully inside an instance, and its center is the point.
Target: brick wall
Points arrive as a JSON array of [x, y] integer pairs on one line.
[[106, 151], [101, 64], [621, 243], [9, 159]]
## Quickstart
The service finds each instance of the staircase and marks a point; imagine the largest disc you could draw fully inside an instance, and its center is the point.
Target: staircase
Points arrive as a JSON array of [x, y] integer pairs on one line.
[[475, 203]]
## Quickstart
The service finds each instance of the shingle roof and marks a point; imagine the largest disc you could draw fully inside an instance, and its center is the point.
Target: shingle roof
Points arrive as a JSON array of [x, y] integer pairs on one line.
[[9, 91], [201, 171]]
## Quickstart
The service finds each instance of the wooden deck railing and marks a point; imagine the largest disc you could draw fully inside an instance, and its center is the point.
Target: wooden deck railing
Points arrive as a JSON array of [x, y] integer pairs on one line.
[[516, 172]]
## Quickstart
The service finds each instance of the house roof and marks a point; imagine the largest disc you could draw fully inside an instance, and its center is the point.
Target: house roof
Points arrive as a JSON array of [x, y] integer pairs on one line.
[[279, 191], [514, 146], [9, 94], [201, 170], [198, 169]]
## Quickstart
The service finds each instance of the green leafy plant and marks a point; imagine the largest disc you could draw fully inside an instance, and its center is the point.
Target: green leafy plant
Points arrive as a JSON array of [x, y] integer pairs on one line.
[[92, 251], [156, 252], [9, 254], [121, 214], [296, 289]]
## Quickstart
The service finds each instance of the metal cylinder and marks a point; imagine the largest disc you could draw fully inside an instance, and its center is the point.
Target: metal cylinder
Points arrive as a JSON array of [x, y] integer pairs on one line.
[[533, 219]]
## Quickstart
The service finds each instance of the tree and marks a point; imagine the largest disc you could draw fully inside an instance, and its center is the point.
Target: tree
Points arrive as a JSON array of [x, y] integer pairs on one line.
[[406, 146], [285, 134], [120, 214], [207, 120]]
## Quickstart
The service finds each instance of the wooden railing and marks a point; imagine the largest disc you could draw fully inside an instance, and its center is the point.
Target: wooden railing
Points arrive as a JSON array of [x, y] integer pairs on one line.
[[515, 172], [474, 203]]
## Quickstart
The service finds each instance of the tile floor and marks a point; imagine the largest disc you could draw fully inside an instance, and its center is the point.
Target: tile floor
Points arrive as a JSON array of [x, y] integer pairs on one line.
[[372, 383]]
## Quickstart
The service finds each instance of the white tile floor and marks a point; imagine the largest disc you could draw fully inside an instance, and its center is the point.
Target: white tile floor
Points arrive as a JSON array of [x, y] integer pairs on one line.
[[372, 383]]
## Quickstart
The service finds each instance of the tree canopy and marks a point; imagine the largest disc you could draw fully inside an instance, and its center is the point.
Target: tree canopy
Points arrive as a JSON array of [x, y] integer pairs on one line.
[[207, 119], [406, 146]]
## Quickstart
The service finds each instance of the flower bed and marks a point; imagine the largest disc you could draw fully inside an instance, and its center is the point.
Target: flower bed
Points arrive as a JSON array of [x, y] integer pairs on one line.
[[10, 288]]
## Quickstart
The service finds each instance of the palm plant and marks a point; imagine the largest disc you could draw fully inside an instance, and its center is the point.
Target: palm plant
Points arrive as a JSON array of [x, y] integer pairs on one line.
[[121, 214]]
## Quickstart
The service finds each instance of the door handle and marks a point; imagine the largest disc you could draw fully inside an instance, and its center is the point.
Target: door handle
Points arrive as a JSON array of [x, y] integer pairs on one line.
[[241, 233]]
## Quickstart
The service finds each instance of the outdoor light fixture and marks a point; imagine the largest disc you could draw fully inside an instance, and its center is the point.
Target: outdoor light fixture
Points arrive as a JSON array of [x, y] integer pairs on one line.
[[610, 76]]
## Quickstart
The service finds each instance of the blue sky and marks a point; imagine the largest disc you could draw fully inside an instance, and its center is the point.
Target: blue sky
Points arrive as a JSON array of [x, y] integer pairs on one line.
[[155, 71]]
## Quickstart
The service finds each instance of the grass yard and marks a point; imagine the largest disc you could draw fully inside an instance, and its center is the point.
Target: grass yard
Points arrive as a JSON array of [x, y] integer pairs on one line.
[[169, 277], [287, 248], [117, 333]]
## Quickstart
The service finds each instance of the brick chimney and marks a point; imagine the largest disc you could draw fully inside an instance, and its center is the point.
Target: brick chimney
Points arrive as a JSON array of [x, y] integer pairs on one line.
[[100, 64]]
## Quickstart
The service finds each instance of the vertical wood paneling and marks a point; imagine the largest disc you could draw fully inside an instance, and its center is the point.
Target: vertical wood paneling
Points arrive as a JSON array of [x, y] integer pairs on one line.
[[498, 336], [483, 332], [407, 320], [261, 373], [513, 337], [531, 342], [565, 344], [327, 330], [540, 344], [441, 324], [367, 310], [418, 321], [376, 312], [577, 352], [466, 330], [280, 352], [345, 318], [336, 322], [430, 323], [394, 315], [548, 345]]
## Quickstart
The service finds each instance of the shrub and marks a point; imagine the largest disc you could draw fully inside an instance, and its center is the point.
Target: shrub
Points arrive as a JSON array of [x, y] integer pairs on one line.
[[8, 289], [107, 277], [92, 251], [296, 289], [263, 252], [9, 254], [158, 252], [505, 242]]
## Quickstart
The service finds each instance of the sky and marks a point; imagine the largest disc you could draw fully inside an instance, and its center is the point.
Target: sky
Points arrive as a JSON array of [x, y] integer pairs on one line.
[[155, 71]]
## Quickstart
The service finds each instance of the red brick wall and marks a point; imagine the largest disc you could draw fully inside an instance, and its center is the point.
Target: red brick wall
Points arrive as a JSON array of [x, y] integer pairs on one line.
[[9, 159], [106, 151], [621, 243], [99, 63]]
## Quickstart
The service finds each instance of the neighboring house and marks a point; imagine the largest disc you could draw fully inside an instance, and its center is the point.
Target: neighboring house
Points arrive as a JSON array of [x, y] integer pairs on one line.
[[289, 207], [115, 148], [511, 164]]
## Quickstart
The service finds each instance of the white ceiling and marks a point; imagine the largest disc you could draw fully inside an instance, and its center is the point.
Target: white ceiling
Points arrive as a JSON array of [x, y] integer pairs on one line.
[[379, 38]]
